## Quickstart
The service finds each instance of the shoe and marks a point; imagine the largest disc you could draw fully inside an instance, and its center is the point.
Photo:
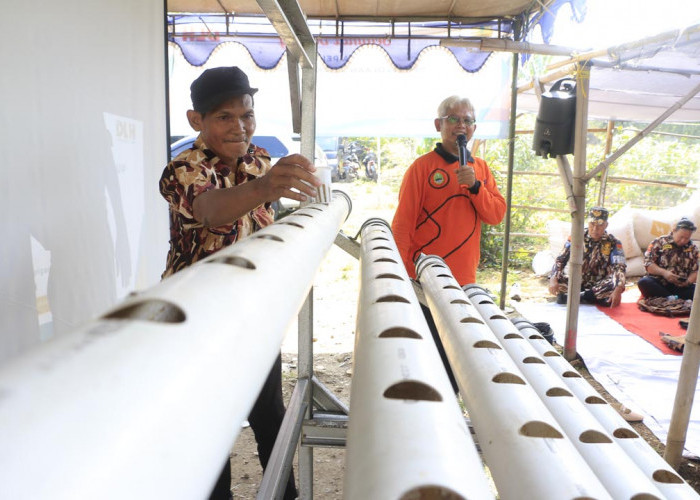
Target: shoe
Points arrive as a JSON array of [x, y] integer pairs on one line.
[[587, 297], [629, 415], [561, 298]]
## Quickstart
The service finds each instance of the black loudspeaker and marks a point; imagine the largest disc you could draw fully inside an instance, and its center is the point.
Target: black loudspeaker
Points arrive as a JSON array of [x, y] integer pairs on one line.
[[554, 129]]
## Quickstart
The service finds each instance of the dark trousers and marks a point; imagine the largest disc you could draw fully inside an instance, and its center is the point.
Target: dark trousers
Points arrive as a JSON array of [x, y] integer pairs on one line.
[[651, 287], [440, 348], [265, 419]]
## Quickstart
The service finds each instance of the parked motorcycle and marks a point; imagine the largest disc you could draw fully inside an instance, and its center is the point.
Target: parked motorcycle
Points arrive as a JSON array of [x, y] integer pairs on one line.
[[370, 163], [349, 163]]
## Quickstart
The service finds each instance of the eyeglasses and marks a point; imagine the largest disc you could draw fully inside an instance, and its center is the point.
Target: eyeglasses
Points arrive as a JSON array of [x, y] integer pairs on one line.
[[454, 120]]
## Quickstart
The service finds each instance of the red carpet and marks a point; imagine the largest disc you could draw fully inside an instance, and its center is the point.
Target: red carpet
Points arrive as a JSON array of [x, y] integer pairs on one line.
[[644, 324]]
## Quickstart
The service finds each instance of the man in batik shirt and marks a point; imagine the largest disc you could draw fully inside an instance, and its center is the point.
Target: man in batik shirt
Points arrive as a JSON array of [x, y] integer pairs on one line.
[[220, 191], [603, 269], [671, 262]]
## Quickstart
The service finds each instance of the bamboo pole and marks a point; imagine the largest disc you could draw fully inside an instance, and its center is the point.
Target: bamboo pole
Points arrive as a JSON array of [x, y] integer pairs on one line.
[[687, 382], [608, 148], [579, 198], [505, 45]]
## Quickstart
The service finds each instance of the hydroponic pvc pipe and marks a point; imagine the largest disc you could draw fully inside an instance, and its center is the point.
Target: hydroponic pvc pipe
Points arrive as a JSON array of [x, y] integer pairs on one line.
[[146, 401]]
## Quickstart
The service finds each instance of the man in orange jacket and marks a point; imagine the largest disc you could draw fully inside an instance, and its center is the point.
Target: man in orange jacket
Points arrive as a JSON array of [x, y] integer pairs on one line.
[[442, 203]]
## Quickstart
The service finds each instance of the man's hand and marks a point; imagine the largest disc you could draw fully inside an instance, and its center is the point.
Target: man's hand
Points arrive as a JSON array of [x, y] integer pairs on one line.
[[675, 279], [465, 176], [291, 177], [616, 296], [553, 285]]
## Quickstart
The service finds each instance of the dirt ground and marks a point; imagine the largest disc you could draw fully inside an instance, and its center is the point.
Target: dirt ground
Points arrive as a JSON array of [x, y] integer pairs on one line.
[[335, 297]]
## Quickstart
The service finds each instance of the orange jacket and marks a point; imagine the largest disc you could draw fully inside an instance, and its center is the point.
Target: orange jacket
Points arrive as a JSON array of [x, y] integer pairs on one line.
[[437, 216]]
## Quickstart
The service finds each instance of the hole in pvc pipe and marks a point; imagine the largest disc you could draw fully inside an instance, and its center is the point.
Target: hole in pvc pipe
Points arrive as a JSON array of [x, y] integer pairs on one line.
[[540, 429], [557, 392], [412, 390], [513, 336], [389, 276], [498, 316], [302, 214], [430, 493], [234, 260], [315, 208], [470, 319], [150, 310], [507, 378], [381, 248], [551, 354], [272, 237], [386, 259], [666, 476], [375, 238], [441, 266], [400, 331], [443, 276], [536, 336], [459, 301], [486, 344], [451, 287], [488, 301], [533, 360], [570, 374], [289, 223], [595, 400], [392, 298], [622, 433], [591, 436]]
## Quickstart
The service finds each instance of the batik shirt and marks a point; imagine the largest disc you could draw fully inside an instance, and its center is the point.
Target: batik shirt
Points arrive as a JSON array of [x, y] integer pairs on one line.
[[681, 261], [601, 259], [196, 171]]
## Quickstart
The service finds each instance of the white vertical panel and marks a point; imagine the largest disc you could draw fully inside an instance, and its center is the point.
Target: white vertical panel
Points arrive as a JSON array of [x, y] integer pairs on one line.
[[69, 64]]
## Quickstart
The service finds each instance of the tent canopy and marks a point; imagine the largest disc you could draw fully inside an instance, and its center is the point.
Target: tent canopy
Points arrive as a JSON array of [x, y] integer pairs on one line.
[[373, 9], [638, 81], [402, 29]]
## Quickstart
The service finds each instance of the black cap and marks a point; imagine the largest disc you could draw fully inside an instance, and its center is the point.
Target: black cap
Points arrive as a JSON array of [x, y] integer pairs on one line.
[[598, 215], [216, 85], [686, 223]]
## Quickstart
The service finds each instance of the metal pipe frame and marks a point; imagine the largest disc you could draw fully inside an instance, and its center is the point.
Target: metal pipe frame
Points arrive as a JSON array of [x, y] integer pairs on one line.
[[165, 378], [407, 437], [274, 480], [518, 435], [671, 485], [611, 462]]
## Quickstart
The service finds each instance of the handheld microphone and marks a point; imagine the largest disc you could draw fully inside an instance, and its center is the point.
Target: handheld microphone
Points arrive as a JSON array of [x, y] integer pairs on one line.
[[462, 147]]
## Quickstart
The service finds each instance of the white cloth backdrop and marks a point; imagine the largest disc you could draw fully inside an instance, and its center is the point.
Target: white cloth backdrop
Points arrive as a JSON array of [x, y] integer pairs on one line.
[[83, 140]]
